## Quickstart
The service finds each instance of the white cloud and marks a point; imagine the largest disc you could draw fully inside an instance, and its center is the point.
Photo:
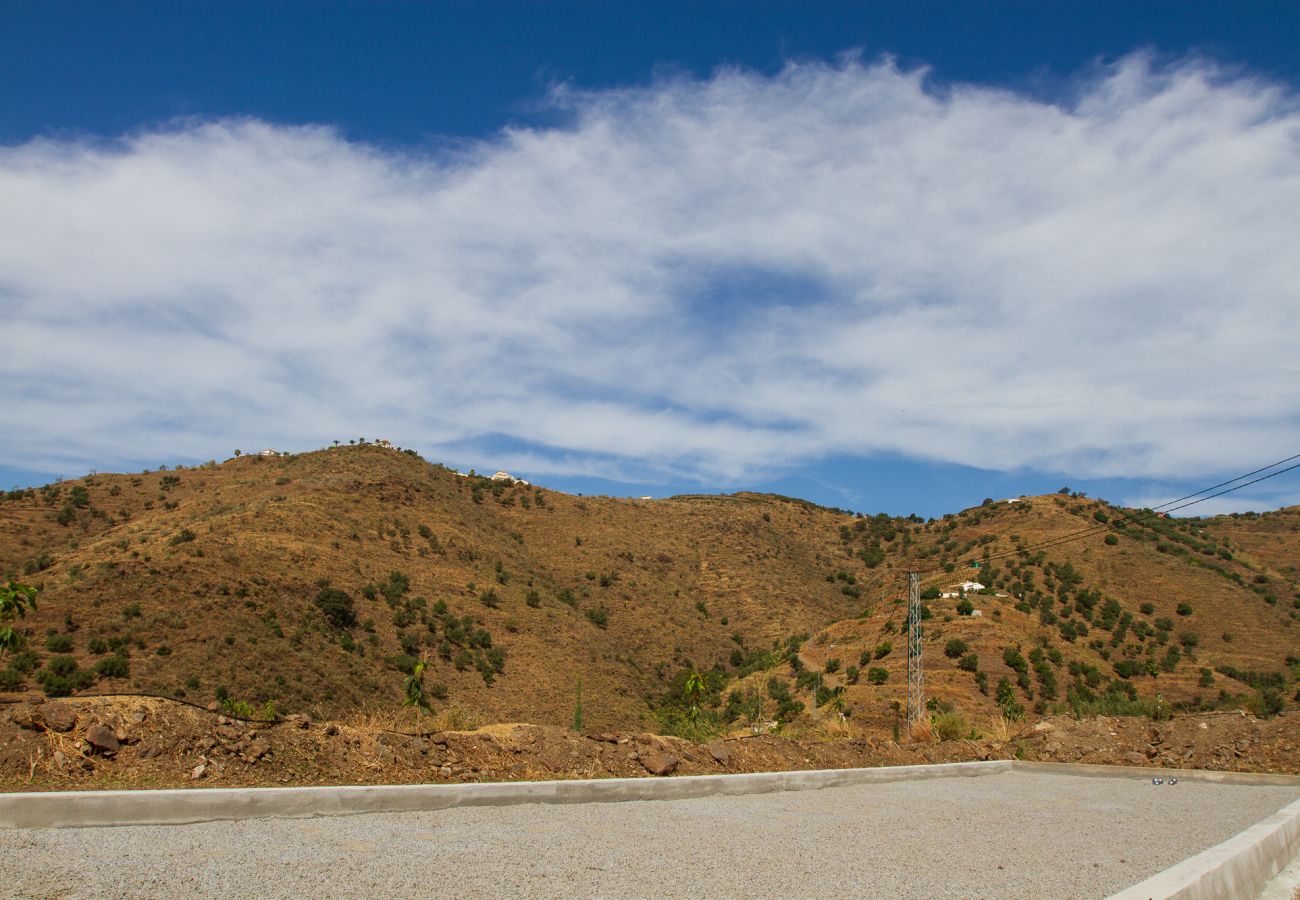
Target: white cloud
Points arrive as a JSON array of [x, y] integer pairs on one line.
[[707, 279]]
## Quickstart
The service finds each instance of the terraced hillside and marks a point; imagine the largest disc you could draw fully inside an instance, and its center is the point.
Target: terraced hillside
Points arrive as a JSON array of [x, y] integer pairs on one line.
[[314, 581]]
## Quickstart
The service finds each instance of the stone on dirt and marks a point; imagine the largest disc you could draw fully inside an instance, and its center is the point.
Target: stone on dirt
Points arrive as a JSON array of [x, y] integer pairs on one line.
[[102, 738], [658, 763], [57, 716]]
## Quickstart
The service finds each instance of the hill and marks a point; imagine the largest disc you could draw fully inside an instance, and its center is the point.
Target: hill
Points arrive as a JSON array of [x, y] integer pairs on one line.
[[313, 581]]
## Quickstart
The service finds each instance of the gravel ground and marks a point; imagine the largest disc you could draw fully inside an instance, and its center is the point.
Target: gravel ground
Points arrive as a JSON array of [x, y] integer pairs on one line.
[[1012, 834]]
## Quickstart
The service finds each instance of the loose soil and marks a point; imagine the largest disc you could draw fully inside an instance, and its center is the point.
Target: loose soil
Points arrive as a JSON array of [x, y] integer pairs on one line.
[[164, 744]]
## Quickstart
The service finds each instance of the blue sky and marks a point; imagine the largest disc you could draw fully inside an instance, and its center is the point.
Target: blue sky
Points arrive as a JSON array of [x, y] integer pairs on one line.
[[885, 256]]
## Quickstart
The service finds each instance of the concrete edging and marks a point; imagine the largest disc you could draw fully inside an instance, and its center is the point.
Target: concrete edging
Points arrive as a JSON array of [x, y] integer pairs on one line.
[[1089, 770], [1239, 867], [72, 809]]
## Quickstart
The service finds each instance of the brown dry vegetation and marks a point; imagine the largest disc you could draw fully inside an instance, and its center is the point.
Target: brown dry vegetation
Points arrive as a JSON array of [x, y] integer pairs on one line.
[[206, 577]]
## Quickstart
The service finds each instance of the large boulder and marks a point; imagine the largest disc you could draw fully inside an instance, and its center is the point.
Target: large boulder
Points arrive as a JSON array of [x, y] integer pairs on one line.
[[57, 716], [659, 763], [102, 739]]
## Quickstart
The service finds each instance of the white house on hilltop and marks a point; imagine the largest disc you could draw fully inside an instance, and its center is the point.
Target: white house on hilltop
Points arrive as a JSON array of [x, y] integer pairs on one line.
[[506, 476], [966, 587]]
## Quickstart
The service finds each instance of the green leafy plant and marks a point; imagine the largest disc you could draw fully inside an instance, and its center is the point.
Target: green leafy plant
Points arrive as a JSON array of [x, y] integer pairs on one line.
[[15, 602], [415, 697]]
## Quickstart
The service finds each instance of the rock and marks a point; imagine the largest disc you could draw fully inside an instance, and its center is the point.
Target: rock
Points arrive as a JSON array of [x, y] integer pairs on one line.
[[198, 772], [102, 739], [121, 735], [1135, 759], [384, 755], [719, 752], [57, 716], [138, 717], [1044, 727], [149, 752], [258, 748], [331, 729], [604, 738], [658, 763], [24, 716], [214, 706]]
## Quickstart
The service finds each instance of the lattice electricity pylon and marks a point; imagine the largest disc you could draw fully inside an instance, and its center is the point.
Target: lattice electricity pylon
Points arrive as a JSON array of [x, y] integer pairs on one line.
[[915, 676]]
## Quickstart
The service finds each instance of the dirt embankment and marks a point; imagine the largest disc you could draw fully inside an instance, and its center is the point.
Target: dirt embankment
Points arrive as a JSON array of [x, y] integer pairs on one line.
[[148, 743]]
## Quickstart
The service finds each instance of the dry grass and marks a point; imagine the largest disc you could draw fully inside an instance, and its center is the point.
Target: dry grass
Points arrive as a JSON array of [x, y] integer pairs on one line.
[[1000, 728], [922, 732]]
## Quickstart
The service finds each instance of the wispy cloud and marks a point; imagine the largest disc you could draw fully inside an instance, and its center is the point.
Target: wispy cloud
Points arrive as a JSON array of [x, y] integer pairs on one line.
[[708, 279]]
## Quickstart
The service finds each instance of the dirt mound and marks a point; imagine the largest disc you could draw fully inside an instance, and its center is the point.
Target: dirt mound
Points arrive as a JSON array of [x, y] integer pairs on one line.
[[152, 743]]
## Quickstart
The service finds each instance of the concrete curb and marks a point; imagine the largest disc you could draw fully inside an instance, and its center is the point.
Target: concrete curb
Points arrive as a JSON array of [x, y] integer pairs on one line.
[[71, 809], [1145, 773], [1239, 867]]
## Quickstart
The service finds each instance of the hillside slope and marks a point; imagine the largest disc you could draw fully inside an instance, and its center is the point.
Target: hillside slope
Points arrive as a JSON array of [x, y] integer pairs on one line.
[[220, 581]]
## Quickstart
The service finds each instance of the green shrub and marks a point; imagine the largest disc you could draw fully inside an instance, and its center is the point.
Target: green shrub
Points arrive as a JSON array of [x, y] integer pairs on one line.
[[402, 662], [598, 616], [876, 675], [115, 666], [533, 599], [950, 726], [955, 648], [1111, 540], [883, 649], [25, 661], [965, 607], [58, 643], [969, 663], [184, 536], [1184, 609], [1147, 608], [10, 679], [337, 607], [832, 666]]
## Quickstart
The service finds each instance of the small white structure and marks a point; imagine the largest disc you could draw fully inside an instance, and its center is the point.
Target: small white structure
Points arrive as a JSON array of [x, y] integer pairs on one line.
[[506, 476], [270, 451], [645, 498], [387, 445], [975, 612], [966, 587]]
